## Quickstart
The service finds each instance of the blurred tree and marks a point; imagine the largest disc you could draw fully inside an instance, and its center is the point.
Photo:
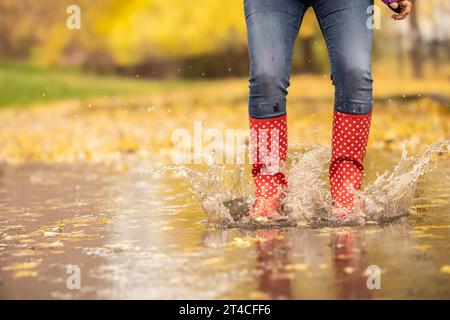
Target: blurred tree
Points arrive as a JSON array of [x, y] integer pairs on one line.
[[187, 38]]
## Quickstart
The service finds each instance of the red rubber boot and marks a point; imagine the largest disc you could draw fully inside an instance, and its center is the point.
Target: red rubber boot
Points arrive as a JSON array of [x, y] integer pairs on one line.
[[349, 143], [268, 142]]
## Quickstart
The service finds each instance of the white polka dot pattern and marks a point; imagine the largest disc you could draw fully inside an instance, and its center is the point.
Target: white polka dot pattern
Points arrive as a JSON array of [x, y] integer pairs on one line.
[[268, 143], [349, 142]]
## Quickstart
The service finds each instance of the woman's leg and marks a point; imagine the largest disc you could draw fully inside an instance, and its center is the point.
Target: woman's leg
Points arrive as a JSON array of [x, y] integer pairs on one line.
[[348, 35], [272, 27]]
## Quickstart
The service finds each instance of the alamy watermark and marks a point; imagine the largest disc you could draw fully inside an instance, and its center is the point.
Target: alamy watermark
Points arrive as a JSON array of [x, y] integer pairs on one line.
[[74, 19], [374, 20], [374, 278], [73, 281], [215, 146]]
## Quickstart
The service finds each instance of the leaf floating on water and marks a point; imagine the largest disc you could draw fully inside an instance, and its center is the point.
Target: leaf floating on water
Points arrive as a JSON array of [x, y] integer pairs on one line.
[[25, 274], [25, 253], [21, 266], [445, 269], [104, 220], [296, 267], [52, 231], [212, 261], [43, 229], [60, 226]]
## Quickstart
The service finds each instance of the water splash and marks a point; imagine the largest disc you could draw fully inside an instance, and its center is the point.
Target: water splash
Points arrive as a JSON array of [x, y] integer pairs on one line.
[[226, 192], [390, 195]]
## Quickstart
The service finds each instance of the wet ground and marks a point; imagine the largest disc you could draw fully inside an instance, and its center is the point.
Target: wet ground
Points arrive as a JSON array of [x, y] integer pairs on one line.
[[135, 233]]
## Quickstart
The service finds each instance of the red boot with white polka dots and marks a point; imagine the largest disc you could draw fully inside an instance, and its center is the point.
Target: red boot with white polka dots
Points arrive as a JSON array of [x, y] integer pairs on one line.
[[268, 142], [349, 143]]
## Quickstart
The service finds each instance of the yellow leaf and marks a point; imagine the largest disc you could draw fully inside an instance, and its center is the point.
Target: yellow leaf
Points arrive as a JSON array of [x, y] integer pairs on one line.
[[445, 269], [24, 252], [21, 266], [104, 220], [25, 273], [212, 261], [296, 267]]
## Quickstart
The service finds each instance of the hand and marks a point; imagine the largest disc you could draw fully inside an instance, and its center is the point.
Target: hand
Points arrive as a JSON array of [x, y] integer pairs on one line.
[[406, 7]]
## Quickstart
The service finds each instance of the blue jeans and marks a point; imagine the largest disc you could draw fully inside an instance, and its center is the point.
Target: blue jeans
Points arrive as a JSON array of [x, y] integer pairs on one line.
[[272, 27]]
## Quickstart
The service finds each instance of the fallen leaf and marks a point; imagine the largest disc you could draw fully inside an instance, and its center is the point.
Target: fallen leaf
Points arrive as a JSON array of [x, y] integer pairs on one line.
[[212, 261], [24, 253], [21, 266], [104, 220], [296, 267], [445, 269], [60, 226], [25, 274]]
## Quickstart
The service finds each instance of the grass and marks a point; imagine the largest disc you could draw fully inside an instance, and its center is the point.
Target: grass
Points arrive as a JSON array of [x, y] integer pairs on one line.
[[23, 84]]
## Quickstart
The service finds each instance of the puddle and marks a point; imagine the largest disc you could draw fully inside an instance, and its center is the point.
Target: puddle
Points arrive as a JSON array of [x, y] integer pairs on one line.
[[139, 233]]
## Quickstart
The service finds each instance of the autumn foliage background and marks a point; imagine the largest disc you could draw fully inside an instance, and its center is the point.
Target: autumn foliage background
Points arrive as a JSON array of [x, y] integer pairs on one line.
[[93, 93]]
